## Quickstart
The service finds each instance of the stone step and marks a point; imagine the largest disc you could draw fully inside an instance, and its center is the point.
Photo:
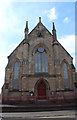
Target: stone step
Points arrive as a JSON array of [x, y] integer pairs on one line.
[[37, 107]]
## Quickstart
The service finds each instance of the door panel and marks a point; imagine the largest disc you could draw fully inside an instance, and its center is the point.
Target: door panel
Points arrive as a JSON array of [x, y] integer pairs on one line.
[[41, 90]]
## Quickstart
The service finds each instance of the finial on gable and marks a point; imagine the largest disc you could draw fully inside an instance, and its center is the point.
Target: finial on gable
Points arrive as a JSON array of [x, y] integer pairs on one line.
[[39, 19], [53, 26], [26, 31], [54, 33]]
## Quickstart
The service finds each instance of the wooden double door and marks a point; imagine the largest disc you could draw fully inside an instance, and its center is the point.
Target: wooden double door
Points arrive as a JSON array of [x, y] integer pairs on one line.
[[41, 90]]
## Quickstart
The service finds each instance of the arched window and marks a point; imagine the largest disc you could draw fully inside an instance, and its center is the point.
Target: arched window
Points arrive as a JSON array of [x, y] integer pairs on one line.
[[65, 75], [16, 75], [41, 60]]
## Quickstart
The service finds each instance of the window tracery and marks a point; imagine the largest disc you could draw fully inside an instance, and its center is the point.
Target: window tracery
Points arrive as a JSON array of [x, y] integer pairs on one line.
[[41, 60], [16, 75], [65, 75]]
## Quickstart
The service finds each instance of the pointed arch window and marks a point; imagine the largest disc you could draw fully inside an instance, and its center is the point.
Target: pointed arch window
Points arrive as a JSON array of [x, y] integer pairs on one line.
[[41, 60], [16, 75], [65, 75]]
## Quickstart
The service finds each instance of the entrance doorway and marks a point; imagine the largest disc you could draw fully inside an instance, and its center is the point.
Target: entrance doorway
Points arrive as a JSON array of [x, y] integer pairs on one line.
[[41, 90]]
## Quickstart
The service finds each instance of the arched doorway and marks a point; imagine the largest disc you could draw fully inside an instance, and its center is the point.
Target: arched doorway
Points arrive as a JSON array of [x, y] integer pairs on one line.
[[41, 89]]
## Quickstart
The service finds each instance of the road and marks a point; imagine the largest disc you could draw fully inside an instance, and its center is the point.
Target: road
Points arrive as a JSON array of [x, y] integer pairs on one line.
[[47, 115], [43, 119]]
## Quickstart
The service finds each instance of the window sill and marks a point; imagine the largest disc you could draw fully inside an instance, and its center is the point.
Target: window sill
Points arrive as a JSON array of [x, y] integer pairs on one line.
[[65, 90]]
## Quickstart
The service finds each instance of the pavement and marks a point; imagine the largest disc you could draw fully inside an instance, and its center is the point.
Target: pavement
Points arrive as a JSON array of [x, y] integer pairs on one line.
[[42, 115], [55, 115], [38, 119]]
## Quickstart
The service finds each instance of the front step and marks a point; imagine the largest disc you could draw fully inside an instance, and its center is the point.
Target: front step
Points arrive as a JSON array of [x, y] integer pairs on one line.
[[37, 107], [42, 102]]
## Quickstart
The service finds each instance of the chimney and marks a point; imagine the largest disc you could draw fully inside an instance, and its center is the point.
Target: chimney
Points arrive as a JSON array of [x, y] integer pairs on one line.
[[26, 31]]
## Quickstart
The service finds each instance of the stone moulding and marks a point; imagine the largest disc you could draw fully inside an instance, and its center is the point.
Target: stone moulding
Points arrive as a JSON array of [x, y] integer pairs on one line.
[[41, 75]]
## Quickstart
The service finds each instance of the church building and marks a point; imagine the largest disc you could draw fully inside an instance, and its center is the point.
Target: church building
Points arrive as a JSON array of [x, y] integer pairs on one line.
[[38, 69]]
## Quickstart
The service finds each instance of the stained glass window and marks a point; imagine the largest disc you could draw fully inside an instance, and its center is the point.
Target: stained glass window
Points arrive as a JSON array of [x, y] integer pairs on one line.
[[41, 64], [65, 75], [16, 75], [40, 49]]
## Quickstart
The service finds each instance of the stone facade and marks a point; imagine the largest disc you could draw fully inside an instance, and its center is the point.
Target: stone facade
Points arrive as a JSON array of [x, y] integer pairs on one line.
[[0, 99], [28, 78]]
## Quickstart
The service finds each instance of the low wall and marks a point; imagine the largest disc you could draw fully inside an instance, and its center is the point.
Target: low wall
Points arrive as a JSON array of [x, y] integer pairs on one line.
[[24, 100]]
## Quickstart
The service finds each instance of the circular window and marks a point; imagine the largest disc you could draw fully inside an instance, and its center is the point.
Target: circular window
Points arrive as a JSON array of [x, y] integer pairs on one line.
[[40, 49]]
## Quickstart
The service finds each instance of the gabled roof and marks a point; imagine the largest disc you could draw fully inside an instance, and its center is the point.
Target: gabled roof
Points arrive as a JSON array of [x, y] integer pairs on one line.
[[65, 49], [23, 41], [40, 23], [27, 41]]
